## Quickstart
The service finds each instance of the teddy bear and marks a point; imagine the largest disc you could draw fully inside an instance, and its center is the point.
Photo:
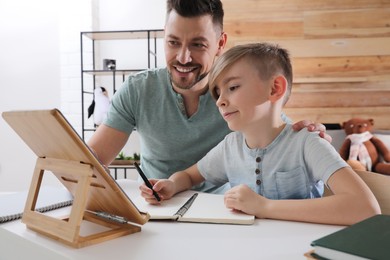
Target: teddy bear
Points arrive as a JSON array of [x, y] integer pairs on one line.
[[361, 149]]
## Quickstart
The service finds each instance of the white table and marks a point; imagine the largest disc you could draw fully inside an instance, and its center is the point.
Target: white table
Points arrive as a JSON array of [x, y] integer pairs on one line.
[[266, 239]]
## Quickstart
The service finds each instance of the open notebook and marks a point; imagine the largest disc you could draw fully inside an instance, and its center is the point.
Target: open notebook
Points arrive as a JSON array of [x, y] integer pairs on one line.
[[189, 206]]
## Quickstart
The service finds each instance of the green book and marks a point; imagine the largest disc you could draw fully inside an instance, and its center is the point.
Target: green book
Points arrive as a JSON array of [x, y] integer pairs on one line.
[[368, 239]]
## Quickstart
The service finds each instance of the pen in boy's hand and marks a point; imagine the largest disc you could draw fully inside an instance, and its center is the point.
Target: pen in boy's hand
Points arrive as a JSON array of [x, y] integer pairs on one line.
[[148, 184]]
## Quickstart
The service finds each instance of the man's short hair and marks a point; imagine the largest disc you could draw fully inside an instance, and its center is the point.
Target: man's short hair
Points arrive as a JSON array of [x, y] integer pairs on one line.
[[195, 8]]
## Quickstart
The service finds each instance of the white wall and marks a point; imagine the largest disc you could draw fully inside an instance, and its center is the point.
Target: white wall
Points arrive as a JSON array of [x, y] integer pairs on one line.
[[131, 14], [29, 78], [40, 62]]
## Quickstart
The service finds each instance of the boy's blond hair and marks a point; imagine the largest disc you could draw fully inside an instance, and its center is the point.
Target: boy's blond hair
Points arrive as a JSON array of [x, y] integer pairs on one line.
[[268, 59]]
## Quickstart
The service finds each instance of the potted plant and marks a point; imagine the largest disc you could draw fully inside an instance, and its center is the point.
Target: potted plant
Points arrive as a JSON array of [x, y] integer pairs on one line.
[[123, 159]]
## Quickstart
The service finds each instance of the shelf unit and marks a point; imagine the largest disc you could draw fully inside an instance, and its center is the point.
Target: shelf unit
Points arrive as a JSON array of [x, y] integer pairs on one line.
[[90, 66], [92, 69]]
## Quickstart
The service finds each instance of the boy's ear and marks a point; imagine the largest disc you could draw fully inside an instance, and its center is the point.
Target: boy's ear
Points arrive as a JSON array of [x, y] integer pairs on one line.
[[279, 88]]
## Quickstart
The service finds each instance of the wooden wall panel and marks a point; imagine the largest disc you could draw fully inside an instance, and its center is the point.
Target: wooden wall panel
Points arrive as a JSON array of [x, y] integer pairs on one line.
[[252, 30], [342, 86], [367, 94], [339, 99], [342, 47], [340, 52], [347, 23], [341, 67], [275, 6]]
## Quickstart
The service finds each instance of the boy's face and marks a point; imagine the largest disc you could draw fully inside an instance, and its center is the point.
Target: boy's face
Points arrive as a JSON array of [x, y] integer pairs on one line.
[[243, 98], [191, 45]]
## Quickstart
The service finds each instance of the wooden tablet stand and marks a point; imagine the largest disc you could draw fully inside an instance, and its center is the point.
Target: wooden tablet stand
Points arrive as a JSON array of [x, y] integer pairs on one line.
[[67, 229], [97, 198]]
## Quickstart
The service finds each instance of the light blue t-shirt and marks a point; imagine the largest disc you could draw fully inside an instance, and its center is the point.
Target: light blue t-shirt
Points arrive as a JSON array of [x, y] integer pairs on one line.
[[170, 141], [294, 166]]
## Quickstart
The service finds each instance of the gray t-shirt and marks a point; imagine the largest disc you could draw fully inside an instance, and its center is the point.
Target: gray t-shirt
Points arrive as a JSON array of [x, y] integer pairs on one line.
[[294, 166], [170, 141]]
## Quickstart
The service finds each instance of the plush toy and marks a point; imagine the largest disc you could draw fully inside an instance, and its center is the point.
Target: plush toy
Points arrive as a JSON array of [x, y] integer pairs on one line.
[[99, 105], [361, 149]]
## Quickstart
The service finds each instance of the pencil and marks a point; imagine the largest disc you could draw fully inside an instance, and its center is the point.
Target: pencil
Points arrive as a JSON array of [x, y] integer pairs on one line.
[[148, 184]]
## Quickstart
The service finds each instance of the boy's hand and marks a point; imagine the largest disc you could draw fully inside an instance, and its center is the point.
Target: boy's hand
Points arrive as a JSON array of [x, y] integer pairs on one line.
[[243, 198], [311, 127], [163, 187]]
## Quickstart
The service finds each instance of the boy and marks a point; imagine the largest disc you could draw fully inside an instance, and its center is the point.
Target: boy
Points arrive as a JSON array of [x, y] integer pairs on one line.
[[274, 171]]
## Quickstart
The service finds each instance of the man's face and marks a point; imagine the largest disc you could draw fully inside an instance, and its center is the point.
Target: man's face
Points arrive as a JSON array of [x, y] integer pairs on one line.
[[191, 45]]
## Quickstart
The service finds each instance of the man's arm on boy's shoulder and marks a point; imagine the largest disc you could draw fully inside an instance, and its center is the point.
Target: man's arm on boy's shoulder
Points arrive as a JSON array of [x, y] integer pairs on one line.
[[312, 127]]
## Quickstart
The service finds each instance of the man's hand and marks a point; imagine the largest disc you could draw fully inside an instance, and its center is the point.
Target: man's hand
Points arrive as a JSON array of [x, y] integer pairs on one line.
[[313, 127]]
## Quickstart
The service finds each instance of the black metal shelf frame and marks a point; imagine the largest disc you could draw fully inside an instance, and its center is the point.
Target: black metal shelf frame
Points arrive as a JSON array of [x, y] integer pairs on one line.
[[93, 36]]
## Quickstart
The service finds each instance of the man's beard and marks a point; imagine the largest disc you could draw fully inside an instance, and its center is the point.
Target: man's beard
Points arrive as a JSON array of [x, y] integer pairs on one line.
[[180, 85]]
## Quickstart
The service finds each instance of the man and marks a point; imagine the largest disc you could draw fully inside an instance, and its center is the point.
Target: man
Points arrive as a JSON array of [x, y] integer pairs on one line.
[[171, 108]]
